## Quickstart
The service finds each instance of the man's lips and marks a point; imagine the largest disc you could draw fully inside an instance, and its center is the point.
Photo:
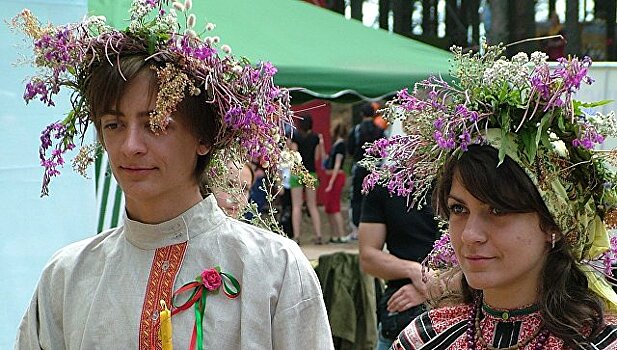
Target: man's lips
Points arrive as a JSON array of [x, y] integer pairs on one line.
[[136, 169]]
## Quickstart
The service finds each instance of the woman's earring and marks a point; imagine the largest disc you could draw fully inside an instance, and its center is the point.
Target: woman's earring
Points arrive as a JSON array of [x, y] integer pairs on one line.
[[552, 240]]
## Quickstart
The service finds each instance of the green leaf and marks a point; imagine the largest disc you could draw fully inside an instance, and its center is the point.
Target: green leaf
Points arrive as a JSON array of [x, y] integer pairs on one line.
[[531, 147], [561, 123], [578, 105], [152, 40], [505, 145], [592, 104], [542, 128]]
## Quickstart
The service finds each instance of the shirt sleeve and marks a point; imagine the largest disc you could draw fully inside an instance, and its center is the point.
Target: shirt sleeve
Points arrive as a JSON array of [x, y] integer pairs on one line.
[[300, 320], [41, 326], [372, 206], [340, 149]]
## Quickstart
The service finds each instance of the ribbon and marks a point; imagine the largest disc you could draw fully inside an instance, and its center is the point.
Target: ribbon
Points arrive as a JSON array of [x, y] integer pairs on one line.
[[208, 282]]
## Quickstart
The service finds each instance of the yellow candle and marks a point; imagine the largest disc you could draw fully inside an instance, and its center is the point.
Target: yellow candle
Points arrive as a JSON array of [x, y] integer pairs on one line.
[[165, 330]]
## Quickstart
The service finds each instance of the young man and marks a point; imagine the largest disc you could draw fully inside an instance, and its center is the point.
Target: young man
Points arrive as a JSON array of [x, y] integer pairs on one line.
[[161, 116]]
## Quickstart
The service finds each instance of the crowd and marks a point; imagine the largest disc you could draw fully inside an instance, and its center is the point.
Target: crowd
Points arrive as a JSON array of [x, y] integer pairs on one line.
[[494, 205]]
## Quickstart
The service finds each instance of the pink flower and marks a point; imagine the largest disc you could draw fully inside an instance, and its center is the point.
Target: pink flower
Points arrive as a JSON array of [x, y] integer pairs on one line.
[[211, 279]]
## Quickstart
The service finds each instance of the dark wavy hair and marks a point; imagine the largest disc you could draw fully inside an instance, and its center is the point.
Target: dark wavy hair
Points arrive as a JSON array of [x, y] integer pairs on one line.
[[567, 306], [105, 87]]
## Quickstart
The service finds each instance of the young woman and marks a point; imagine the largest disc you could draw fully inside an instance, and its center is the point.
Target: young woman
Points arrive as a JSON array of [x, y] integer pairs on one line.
[[336, 181], [527, 199], [162, 111], [306, 142], [522, 288]]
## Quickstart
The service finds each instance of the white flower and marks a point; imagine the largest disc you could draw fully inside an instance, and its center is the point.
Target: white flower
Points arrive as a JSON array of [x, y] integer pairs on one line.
[[190, 21], [208, 40], [237, 69], [520, 58], [216, 39], [539, 58], [210, 26], [188, 4], [560, 148], [191, 33], [226, 48]]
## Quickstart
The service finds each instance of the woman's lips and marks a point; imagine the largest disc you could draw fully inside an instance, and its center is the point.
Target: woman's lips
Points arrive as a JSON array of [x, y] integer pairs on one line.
[[478, 260]]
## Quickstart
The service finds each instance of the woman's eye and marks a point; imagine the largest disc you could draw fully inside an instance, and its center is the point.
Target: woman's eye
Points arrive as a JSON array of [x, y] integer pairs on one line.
[[456, 209]]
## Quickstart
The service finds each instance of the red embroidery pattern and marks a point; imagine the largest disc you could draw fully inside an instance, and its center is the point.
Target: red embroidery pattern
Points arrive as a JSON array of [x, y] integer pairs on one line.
[[165, 266]]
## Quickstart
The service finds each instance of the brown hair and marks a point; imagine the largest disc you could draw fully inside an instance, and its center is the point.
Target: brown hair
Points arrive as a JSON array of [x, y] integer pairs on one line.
[[339, 129], [106, 84], [567, 306]]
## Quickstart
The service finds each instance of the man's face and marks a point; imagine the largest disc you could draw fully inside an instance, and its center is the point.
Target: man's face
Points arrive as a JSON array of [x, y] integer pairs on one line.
[[150, 168]]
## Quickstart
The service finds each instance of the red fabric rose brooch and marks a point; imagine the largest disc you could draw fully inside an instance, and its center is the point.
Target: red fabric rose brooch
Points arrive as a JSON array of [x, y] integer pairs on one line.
[[208, 282]]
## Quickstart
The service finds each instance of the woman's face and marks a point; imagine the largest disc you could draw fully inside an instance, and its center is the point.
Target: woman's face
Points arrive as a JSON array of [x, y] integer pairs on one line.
[[233, 204], [500, 253]]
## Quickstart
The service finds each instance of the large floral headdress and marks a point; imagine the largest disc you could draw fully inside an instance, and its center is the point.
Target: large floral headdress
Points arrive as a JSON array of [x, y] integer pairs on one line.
[[253, 110], [526, 110]]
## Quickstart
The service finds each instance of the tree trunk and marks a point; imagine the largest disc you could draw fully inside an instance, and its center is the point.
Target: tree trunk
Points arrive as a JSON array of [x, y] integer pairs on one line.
[[402, 16], [500, 28], [573, 29], [456, 24], [384, 14], [611, 47], [356, 9], [429, 20], [473, 18], [336, 6], [523, 26], [551, 7]]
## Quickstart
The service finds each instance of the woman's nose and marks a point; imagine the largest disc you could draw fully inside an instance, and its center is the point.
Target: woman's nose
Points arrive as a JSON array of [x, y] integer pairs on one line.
[[475, 230]]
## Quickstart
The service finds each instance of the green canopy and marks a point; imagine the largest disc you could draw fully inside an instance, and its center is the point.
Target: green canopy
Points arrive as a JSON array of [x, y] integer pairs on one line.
[[313, 48]]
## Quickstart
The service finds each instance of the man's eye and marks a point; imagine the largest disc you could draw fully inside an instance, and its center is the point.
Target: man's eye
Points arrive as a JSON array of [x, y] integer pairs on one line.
[[110, 126], [498, 212]]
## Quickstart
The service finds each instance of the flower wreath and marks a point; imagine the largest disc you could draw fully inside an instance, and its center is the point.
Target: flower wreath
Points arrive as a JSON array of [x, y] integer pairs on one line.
[[253, 110], [526, 110]]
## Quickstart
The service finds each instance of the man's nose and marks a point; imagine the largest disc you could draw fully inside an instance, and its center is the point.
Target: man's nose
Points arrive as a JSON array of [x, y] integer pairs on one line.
[[134, 142]]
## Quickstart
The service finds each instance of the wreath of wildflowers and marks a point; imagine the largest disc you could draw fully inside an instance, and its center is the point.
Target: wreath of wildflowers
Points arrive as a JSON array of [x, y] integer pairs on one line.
[[253, 110], [527, 110]]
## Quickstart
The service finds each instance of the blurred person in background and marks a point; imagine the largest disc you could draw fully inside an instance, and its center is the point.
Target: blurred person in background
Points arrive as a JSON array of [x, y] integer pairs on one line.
[[333, 166], [307, 143]]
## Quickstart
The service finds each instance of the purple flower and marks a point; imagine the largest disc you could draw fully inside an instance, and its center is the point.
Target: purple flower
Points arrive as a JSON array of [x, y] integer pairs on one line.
[[465, 139], [573, 72], [587, 137], [34, 88], [269, 69], [442, 255], [370, 181], [403, 94]]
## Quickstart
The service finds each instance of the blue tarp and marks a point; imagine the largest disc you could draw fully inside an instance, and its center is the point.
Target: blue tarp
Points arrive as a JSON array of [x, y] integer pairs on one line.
[[32, 227]]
